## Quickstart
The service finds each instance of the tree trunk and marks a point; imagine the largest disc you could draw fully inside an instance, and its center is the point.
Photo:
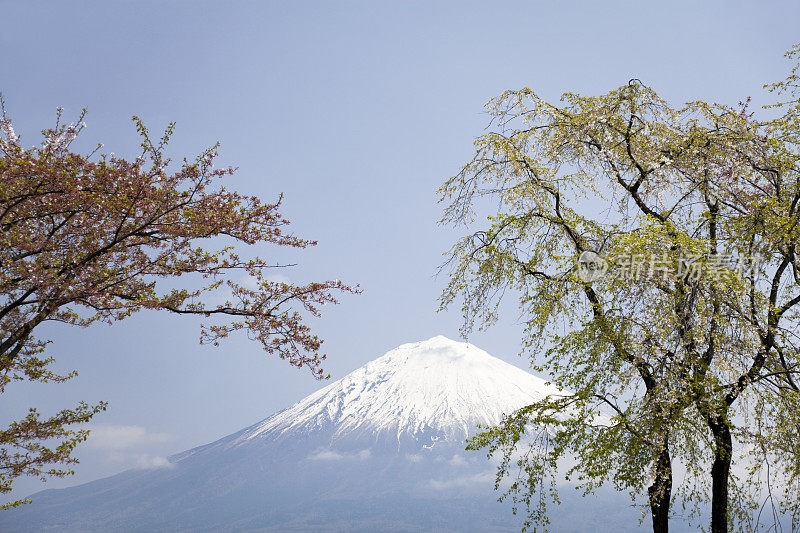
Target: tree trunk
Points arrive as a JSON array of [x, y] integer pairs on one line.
[[720, 472], [660, 492]]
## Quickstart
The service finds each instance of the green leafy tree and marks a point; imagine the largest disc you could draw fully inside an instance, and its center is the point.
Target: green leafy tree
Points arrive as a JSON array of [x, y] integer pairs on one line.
[[87, 239], [653, 251]]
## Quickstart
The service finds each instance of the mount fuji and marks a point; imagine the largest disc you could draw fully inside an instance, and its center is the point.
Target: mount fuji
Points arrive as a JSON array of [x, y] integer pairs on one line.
[[381, 449]]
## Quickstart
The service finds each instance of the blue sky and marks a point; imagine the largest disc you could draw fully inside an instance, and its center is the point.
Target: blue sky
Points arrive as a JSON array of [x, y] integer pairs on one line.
[[357, 112]]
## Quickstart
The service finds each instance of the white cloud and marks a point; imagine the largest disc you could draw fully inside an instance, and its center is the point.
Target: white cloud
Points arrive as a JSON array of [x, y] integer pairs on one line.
[[330, 455], [482, 478], [414, 457], [151, 462], [458, 460], [325, 455], [111, 437], [124, 444], [365, 454]]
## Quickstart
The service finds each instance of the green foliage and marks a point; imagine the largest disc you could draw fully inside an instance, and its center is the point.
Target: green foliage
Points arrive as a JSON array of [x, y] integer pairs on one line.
[[25, 447], [689, 360]]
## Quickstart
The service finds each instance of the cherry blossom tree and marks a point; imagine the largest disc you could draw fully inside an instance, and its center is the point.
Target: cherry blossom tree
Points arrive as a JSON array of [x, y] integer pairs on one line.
[[96, 238]]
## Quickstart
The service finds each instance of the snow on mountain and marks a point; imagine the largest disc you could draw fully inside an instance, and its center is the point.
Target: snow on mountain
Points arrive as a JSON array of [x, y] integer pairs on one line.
[[438, 386], [419, 394]]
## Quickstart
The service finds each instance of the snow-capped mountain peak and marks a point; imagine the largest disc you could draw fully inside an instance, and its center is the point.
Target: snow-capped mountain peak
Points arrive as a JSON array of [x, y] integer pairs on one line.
[[419, 392], [381, 449]]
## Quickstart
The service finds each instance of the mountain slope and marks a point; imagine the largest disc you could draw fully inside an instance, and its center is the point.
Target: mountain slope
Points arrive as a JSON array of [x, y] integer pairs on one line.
[[416, 395], [381, 449]]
